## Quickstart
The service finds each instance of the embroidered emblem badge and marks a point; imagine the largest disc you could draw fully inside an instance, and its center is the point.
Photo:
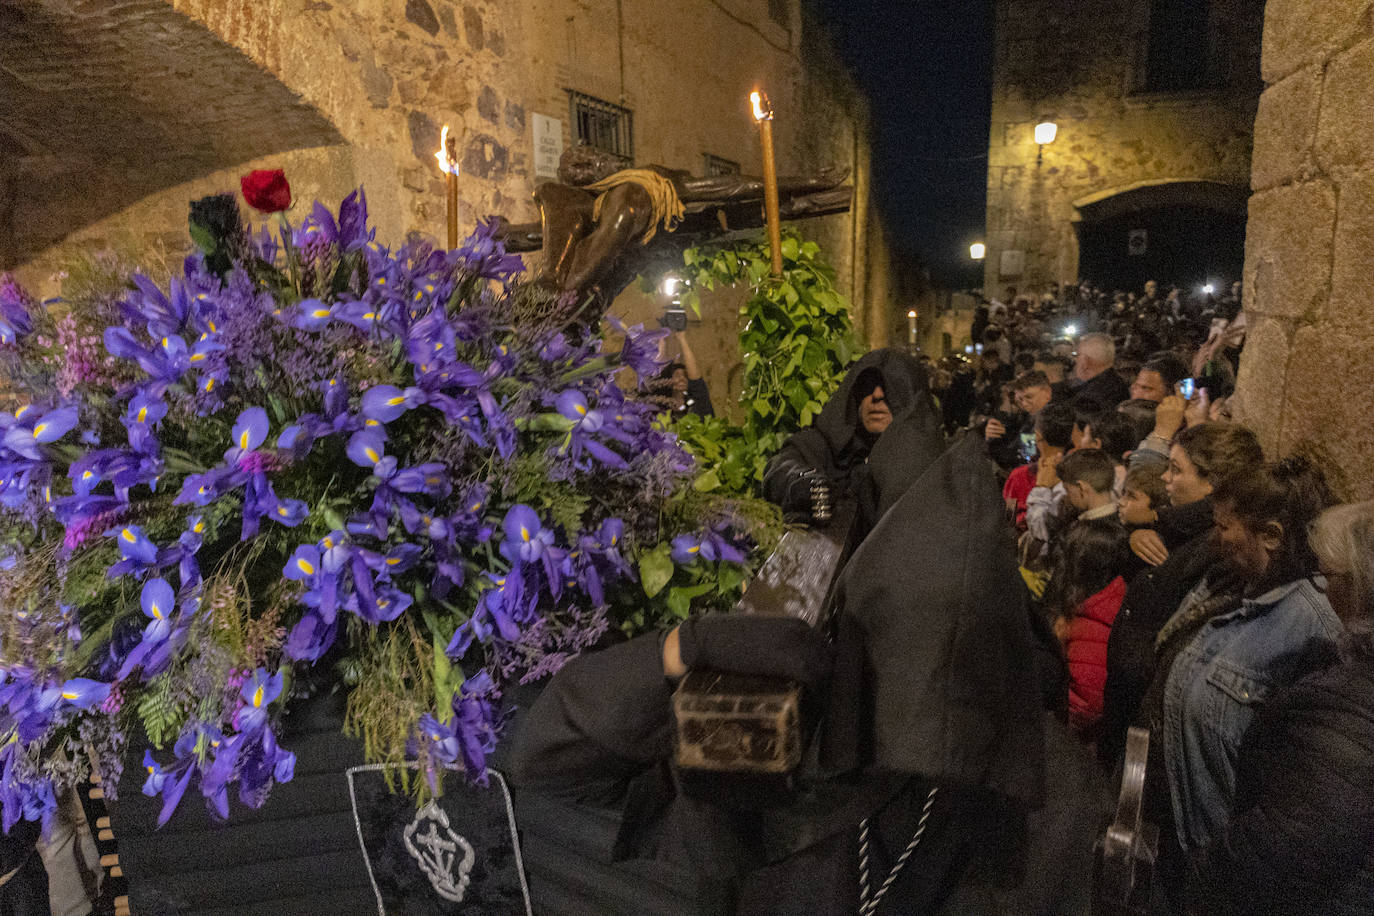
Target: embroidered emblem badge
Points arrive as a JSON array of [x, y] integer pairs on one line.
[[444, 856]]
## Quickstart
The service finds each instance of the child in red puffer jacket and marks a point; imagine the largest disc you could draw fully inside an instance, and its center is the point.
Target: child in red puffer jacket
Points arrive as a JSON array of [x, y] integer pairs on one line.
[[1087, 587]]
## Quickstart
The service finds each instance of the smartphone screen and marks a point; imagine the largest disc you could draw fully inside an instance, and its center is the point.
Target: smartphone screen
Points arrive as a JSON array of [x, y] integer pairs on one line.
[[1187, 388]]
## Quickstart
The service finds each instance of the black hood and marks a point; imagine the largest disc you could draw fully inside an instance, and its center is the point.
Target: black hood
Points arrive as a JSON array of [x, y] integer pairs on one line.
[[904, 386], [936, 671]]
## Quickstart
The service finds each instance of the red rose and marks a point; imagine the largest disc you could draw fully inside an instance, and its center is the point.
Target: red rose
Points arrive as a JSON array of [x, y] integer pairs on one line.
[[266, 190]]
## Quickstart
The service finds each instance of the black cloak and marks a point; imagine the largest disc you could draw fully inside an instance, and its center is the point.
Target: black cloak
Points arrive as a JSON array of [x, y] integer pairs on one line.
[[937, 688], [935, 669]]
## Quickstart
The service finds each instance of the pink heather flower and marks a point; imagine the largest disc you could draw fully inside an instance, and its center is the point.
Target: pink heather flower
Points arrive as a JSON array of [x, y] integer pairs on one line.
[[114, 702], [79, 533], [259, 463]]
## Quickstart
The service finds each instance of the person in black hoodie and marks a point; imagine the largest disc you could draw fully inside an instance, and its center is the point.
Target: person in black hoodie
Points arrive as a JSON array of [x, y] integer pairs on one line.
[[1178, 551], [931, 748], [1301, 835]]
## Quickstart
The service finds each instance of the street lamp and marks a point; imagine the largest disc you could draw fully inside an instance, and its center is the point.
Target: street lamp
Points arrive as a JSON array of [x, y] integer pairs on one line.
[[977, 251], [1045, 132]]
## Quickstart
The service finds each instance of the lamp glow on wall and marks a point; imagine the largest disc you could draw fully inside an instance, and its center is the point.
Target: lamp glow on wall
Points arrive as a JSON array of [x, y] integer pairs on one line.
[[977, 251], [1045, 132]]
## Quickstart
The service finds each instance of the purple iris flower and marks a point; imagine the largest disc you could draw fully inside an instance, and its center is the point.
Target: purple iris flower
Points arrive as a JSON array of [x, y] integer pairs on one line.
[[386, 403], [526, 537], [249, 431], [366, 448], [486, 256], [304, 564], [164, 362], [134, 545], [475, 723], [35, 429], [430, 479], [312, 315], [203, 489], [162, 316], [443, 743], [353, 231], [257, 694], [310, 638], [710, 546], [373, 602], [586, 423], [83, 693], [155, 648], [15, 320], [171, 783], [640, 351], [335, 396]]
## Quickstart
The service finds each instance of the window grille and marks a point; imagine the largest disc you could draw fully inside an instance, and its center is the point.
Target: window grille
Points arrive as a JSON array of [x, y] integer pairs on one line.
[[719, 165], [1177, 49], [600, 124]]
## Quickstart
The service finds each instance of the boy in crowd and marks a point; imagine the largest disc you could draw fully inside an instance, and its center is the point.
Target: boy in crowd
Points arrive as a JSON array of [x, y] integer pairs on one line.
[[1088, 475], [1142, 496], [1053, 440]]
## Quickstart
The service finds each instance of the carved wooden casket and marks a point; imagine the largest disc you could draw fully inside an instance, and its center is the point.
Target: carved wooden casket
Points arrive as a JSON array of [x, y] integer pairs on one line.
[[748, 724], [737, 723]]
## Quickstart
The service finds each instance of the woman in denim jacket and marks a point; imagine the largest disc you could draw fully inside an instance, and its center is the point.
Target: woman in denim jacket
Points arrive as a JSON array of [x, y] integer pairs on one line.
[[1301, 834], [1256, 623]]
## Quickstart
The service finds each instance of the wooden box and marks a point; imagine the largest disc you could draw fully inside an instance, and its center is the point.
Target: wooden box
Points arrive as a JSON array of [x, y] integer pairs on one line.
[[737, 723]]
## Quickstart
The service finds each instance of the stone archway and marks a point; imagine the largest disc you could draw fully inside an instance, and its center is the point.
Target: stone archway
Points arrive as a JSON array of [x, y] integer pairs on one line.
[[1179, 230], [104, 104]]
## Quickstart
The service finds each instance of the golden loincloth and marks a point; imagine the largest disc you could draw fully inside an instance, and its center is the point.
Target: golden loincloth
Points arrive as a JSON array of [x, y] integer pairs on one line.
[[668, 208]]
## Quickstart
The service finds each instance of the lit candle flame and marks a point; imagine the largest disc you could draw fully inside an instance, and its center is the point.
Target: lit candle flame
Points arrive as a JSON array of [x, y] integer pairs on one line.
[[763, 109], [447, 163], [911, 314]]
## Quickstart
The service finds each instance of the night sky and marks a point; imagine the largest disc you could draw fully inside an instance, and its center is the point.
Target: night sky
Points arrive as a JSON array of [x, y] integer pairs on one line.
[[925, 66]]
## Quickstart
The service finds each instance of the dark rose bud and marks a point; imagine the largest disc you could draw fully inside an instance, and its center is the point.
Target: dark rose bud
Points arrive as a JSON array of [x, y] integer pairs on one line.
[[266, 190]]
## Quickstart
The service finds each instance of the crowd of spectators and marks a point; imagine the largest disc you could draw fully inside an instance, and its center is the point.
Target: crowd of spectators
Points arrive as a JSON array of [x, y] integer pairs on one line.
[[1199, 588]]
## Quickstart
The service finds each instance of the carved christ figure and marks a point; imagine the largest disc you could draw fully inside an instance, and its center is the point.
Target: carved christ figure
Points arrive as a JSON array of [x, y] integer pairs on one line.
[[597, 210]]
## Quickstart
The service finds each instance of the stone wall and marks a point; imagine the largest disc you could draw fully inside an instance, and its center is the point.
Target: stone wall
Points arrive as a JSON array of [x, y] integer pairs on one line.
[[347, 92], [1078, 63], [1306, 374]]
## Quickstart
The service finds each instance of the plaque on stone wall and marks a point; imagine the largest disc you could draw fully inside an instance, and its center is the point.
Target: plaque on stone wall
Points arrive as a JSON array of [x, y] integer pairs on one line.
[[548, 146], [1012, 263], [1137, 242]]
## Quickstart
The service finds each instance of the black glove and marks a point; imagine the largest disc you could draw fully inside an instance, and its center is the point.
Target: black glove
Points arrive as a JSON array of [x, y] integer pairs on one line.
[[752, 644]]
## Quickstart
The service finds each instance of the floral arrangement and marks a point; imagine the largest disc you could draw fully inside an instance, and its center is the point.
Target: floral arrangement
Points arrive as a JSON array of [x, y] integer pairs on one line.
[[797, 339], [308, 459]]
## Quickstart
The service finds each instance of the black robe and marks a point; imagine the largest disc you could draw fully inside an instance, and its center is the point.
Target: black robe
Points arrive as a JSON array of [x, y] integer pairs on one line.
[[835, 447], [932, 616]]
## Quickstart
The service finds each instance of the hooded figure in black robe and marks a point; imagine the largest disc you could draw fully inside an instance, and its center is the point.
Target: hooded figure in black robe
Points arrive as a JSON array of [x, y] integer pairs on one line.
[[837, 451], [931, 726]]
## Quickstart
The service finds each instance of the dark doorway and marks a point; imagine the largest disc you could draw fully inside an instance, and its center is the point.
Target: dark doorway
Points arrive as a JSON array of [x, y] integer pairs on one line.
[[1184, 233]]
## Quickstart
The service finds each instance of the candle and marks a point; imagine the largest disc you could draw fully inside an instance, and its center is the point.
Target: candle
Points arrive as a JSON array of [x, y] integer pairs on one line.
[[763, 114], [911, 328], [448, 164]]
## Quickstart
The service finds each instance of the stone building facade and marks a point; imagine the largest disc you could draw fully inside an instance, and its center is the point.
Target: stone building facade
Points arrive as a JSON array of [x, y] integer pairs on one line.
[[1306, 374], [114, 115], [1154, 101]]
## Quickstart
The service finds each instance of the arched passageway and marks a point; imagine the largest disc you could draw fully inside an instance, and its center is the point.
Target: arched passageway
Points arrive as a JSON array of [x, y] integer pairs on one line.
[[102, 104], [1188, 232]]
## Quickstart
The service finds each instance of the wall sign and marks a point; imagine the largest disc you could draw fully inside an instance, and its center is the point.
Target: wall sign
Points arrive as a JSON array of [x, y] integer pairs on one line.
[[1137, 242], [1012, 263], [548, 146]]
